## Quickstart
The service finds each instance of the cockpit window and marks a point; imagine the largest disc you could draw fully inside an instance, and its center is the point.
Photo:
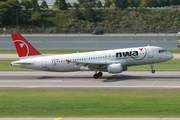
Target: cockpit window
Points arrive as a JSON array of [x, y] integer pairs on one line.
[[161, 51]]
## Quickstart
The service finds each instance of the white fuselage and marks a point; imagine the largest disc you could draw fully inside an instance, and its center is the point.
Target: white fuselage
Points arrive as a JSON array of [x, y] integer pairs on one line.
[[127, 57]]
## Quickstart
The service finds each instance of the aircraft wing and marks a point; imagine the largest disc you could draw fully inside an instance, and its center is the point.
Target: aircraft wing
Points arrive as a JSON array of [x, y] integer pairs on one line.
[[93, 65]]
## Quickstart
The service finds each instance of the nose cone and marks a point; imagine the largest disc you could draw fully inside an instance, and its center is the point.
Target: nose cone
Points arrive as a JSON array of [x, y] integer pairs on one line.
[[169, 56]]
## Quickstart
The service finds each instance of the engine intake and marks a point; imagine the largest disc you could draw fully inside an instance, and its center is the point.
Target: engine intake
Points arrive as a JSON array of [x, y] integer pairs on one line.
[[115, 68]]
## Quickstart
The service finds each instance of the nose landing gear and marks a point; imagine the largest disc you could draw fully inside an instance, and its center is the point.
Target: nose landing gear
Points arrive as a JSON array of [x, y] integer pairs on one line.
[[152, 71], [97, 75]]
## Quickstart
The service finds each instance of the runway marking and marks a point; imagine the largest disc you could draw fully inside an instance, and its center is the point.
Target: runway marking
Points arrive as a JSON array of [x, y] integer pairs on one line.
[[53, 82], [58, 118], [93, 86], [169, 88], [14, 84], [86, 82], [32, 87], [118, 83], [160, 78], [101, 86]]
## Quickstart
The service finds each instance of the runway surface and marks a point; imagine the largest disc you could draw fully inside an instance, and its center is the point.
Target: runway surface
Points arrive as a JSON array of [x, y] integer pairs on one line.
[[92, 42], [108, 34], [129, 80]]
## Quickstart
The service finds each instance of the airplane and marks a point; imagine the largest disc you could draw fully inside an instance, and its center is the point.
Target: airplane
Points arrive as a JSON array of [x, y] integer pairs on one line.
[[112, 61]]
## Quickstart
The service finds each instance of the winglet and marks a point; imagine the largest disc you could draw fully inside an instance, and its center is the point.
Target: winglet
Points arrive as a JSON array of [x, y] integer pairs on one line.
[[23, 47]]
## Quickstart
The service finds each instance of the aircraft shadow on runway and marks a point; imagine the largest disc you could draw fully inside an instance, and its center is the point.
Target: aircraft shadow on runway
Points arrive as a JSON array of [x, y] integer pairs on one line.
[[121, 77], [114, 78], [105, 78]]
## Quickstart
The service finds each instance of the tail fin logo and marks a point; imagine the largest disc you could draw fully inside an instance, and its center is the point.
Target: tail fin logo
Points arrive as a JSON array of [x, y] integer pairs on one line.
[[23, 47], [68, 61]]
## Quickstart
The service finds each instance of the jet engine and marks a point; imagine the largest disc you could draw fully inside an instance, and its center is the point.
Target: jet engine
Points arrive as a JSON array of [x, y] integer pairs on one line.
[[115, 68]]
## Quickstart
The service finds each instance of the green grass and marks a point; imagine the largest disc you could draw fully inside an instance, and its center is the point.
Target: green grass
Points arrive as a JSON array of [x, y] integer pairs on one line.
[[173, 65], [6, 66], [174, 51], [42, 103]]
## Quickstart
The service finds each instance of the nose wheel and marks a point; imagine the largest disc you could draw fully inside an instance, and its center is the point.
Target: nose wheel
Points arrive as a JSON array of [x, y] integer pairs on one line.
[[152, 71], [97, 75]]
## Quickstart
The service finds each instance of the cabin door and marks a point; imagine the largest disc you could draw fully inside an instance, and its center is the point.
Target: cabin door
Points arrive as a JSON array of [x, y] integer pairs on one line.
[[150, 53], [44, 64]]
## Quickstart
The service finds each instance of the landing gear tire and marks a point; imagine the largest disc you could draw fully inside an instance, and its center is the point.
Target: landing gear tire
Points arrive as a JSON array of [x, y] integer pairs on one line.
[[100, 74], [153, 71], [96, 76]]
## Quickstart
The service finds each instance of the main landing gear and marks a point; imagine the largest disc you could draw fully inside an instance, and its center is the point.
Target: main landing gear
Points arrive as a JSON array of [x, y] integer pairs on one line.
[[152, 71], [97, 75]]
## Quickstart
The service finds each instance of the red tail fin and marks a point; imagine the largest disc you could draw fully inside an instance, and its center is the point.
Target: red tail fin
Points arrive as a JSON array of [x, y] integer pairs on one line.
[[23, 47]]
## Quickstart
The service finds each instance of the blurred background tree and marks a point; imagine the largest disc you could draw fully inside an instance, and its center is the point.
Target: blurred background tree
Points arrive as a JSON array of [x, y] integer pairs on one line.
[[56, 2], [27, 4], [107, 3], [69, 5], [88, 11], [5, 10], [98, 4], [148, 3], [44, 4], [62, 5], [35, 5], [123, 4]]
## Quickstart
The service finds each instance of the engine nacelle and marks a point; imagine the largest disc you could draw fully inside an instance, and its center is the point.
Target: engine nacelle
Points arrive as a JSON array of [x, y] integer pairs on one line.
[[115, 68], [125, 68]]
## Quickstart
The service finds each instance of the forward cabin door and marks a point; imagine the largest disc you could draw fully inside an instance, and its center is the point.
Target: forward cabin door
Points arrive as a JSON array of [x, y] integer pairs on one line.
[[150, 53], [44, 64]]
